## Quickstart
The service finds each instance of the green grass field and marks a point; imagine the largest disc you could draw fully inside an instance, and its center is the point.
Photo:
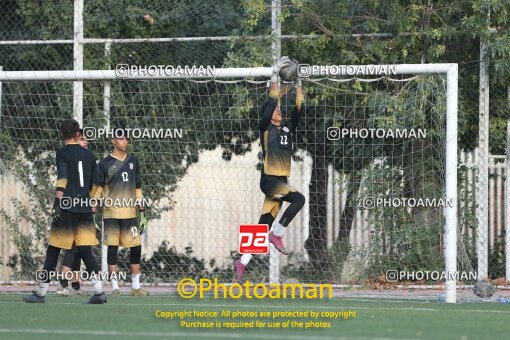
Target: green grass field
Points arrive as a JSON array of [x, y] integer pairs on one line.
[[129, 317]]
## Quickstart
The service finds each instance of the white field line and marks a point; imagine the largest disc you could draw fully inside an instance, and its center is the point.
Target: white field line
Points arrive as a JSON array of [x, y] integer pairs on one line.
[[339, 307], [174, 334]]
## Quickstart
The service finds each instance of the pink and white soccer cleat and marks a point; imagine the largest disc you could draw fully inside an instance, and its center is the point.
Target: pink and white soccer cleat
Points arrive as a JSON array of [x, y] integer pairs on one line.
[[278, 243], [239, 269]]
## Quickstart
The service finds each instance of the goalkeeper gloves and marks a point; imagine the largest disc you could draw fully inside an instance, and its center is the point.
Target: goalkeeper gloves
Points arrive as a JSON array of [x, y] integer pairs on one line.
[[280, 63], [143, 223], [56, 213]]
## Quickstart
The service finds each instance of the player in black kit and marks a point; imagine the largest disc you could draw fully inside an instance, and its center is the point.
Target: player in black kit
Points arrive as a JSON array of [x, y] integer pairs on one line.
[[72, 260], [72, 213], [276, 140]]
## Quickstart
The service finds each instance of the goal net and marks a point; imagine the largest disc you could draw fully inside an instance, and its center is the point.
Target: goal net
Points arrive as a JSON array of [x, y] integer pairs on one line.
[[374, 156]]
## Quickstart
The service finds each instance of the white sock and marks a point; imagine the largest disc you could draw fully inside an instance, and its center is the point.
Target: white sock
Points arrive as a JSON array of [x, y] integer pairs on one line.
[[246, 258], [277, 229], [115, 284], [135, 281], [98, 286], [42, 289]]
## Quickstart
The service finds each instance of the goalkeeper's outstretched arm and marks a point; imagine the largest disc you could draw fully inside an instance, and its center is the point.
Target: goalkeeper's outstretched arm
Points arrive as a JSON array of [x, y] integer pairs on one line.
[[299, 94], [267, 113], [274, 94], [298, 110], [274, 91]]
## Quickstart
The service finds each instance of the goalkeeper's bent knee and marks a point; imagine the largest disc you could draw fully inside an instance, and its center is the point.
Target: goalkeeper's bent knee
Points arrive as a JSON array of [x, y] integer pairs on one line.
[[297, 201], [135, 254], [111, 258]]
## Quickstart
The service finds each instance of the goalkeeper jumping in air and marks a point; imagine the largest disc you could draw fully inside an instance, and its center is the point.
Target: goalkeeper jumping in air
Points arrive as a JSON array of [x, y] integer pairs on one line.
[[276, 140]]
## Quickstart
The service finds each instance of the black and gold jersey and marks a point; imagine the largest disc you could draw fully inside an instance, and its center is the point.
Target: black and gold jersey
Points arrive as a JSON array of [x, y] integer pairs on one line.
[[121, 186], [76, 173], [277, 141]]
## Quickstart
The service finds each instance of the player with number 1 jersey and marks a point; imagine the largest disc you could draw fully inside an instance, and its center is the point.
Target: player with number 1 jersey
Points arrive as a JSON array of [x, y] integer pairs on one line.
[[72, 223]]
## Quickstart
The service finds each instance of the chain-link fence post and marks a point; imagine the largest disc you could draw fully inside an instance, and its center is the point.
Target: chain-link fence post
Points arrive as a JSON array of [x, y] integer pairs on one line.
[[507, 196], [274, 263], [483, 165], [78, 61]]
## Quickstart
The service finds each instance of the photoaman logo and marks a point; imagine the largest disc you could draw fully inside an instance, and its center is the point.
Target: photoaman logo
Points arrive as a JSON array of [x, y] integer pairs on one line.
[[188, 288]]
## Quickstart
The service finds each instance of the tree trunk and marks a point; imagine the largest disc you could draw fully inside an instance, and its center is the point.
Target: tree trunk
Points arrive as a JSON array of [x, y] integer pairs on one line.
[[316, 244], [347, 217]]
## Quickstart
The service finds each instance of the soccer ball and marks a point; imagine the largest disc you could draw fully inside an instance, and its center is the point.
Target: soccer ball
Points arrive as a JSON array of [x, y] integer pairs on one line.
[[289, 73], [484, 289]]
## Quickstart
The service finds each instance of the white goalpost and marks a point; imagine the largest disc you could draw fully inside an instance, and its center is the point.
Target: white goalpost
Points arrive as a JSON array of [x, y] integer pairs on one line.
[[211, 177]]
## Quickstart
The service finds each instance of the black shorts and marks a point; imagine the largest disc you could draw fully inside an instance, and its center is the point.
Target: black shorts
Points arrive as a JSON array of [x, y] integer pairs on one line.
[[121, 232], [77, 228], [274, 187]]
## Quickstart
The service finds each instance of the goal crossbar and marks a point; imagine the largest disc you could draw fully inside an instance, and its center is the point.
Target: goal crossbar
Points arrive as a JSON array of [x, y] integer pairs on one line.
[[256, 72]]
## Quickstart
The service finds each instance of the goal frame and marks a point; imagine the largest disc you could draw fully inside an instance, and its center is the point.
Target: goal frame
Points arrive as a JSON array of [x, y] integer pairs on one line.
[[451, 147]]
